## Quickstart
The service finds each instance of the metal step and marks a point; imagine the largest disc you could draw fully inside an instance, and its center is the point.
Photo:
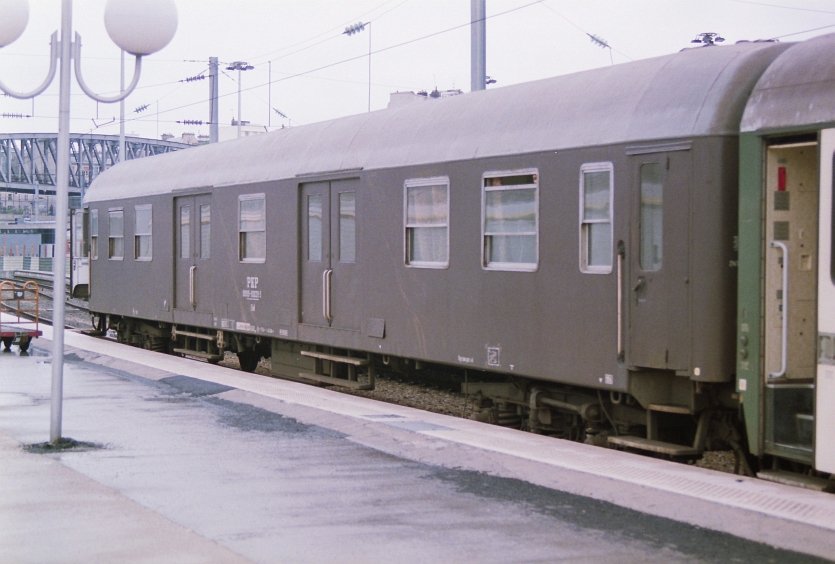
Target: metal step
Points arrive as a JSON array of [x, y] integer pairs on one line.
[[331, 381], [670, 408], [352, 363], [199, 354], [204, 336], [335, 358], [658, 447], [797, 480]]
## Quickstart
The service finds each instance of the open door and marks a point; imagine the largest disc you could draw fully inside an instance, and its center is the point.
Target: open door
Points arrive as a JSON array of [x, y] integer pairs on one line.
[[790, 297]]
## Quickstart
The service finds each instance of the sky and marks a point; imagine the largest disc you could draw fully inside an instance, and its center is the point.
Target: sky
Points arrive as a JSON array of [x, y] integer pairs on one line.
[[307, 70]]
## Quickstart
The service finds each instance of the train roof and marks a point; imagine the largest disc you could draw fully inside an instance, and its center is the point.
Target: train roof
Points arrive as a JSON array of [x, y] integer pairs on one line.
[[696, 92], [797, 89]]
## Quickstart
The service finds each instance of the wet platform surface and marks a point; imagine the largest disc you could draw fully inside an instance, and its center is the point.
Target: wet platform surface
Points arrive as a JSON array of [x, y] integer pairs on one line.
[[190, 462]]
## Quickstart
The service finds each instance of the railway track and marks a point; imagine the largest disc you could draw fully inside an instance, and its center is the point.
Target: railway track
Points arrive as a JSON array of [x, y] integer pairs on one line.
[[76, 312]]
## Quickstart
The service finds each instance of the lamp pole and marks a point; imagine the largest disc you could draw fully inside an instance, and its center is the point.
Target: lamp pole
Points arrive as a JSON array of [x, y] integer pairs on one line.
[[139, 29], [239, 66], [357, 28]]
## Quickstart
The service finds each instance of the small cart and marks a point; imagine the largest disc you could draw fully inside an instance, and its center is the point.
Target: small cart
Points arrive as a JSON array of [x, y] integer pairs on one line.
[[19, 314]]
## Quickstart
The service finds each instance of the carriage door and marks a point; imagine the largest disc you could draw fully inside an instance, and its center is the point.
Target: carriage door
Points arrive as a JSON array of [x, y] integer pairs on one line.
[[658, 293], [191, 276], [790, 299], [825, 385], [328, 254]]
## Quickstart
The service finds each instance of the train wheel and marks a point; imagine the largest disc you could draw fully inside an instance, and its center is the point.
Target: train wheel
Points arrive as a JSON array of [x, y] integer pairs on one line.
[[7, 343], [248, 360]]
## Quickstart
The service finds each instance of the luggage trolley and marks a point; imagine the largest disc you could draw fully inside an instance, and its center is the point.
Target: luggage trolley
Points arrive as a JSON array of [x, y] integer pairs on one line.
[[19, 314]]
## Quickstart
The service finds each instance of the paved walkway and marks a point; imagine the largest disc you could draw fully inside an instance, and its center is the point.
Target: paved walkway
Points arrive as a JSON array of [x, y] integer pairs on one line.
[[190, 462]]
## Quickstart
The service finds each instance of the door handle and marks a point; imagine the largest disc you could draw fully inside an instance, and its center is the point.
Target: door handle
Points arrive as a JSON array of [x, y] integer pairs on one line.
[[639, 285], [327, 279], [191, 282]]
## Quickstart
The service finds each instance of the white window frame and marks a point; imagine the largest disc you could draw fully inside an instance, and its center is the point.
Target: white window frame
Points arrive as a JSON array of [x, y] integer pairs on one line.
[[137, 234], [111, 237], [509, 266], [585, 267], [408, 228], [94, 234], [248, 197]]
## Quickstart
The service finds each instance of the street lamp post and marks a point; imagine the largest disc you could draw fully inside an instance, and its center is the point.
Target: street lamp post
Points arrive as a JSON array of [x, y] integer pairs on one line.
[[357, 28], [138, 28], [239, 66]]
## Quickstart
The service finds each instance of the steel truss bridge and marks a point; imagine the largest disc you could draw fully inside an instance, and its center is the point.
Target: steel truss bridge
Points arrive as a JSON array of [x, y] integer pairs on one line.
[[27, 160]]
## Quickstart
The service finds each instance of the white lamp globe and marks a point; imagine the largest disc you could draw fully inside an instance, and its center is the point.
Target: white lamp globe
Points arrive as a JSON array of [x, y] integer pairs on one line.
[[14, 15], [140, 28]]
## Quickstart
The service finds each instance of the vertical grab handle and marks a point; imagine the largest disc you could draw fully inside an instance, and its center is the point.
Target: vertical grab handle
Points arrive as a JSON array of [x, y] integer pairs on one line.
[[191, 294], [785, 329], [621, 256], [327, 278]]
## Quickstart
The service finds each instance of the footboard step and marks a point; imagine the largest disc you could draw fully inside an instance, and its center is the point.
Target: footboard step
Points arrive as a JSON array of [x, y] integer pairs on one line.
[[658, 447], [331, 381]]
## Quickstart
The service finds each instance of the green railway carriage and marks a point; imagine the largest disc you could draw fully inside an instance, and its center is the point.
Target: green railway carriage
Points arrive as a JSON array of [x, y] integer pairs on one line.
[[786, 306]]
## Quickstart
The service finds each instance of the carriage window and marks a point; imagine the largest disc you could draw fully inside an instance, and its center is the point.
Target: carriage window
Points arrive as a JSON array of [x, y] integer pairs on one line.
[[510, 221], [252, 228], [596, 218], [652, 220], [205, 231], [142, 232], [427, 222], [185, 232], [94, 234], [347, 227], [116, 234]]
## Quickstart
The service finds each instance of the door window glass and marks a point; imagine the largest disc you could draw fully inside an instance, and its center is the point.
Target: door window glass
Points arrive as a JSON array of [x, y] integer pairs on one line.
[[652, 219], [314, 228], [185, 232], [347, 227], [205, 231]]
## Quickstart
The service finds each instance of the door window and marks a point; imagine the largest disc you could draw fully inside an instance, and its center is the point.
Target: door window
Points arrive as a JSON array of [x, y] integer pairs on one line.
[[347, 227], [314, 228], [205, 231], [185, 232], [651, 218]]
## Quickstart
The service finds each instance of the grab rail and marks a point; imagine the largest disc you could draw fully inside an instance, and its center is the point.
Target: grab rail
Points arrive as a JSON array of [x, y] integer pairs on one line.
[[327, 278], [785, 329]]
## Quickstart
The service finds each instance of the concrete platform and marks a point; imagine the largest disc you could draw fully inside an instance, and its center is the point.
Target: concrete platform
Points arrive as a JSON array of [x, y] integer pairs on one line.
[[191, 462]]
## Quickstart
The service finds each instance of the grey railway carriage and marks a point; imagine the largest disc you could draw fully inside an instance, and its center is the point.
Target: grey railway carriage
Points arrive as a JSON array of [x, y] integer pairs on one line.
[[568, 244]]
